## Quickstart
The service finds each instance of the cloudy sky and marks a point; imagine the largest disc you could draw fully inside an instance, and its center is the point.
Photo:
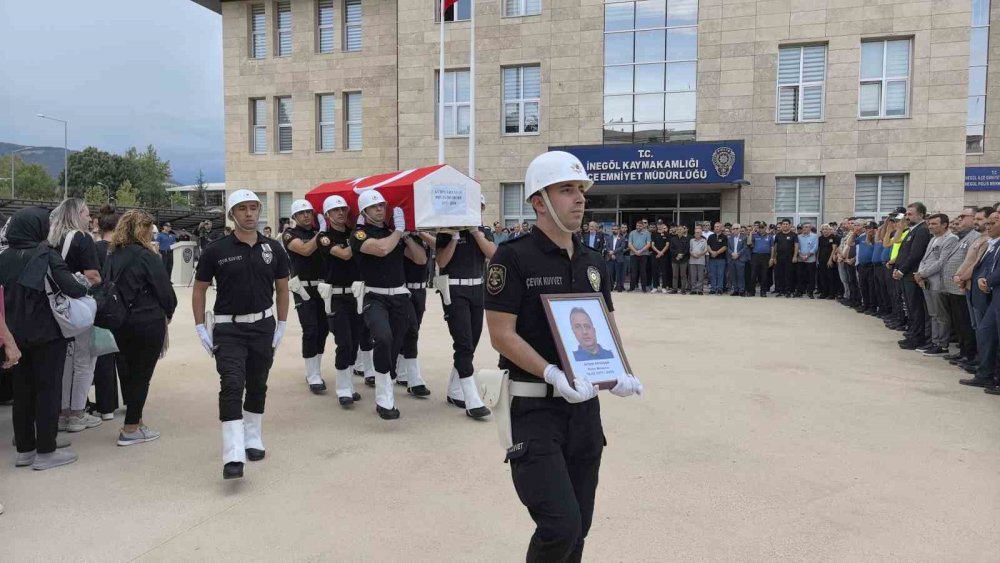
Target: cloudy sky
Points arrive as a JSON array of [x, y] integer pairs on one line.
[[122, 72]]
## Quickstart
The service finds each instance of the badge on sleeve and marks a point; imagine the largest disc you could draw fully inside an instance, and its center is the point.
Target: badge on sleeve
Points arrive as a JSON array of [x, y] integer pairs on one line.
[[324, 240], [496, 278], [287, 236], [360, 235], [594, 275]]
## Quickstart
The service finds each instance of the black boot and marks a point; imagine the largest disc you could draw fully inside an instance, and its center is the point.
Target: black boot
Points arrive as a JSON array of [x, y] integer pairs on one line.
[[233, 470], [254, 454]]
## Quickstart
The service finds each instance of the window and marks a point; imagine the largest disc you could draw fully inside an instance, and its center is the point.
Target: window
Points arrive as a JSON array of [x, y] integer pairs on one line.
[[326, 131], [262, 220], [284, 105], [650, 58], [352, 25], [874, 196], [214, 198], [352, 120], [521, 92], [284, 204], [885, 79], [258, 32], [457, 111], [258, 120], [459, 11], [801, 74], [514, 8], [800, 200], [324, 26], [283, 13], [515, 210], [975, 123]]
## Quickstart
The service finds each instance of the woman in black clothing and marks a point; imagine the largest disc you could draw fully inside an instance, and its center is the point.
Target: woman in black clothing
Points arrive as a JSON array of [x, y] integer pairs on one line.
[[146, 291], [38, 375], [105, 378]]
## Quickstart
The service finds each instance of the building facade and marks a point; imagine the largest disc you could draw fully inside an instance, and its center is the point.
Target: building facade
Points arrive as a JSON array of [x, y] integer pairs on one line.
[[684, 110]]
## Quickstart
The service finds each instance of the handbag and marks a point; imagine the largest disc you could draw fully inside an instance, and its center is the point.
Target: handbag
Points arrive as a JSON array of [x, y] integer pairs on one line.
[[102, 342], [74, 315]]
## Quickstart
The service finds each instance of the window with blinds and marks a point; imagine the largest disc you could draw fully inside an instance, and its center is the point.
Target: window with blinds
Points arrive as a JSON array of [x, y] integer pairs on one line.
[[325, 126], [352, 25], [284, 205], [258, 32], [515, 8], [262, 220], [885, 79], [325, 27], [522, 91], [799, 199], [283, 13], [979, 43], [284, 105], [457, 107], [352, 121], [876, 196], [514, 208], [801, 77], [258, 124]]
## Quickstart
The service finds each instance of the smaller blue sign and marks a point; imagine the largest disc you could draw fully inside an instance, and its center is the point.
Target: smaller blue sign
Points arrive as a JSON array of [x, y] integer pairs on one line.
[[708, 162], [982, 178]]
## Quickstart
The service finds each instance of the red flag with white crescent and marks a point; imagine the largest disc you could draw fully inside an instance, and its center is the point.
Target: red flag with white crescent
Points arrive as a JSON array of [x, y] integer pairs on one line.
[[449, 4]]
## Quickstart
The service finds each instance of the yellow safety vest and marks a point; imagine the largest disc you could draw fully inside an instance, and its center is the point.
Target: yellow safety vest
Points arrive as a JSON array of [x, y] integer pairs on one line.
[[895, 247]]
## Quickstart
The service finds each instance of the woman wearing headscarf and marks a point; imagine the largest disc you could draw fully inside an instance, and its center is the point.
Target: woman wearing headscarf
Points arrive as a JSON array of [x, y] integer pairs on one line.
[[38, 375], [149, 298]]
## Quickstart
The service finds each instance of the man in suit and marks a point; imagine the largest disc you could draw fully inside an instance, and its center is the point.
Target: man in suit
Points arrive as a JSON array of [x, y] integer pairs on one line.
[[739, 255], [594, 239], [911, 252], [615, 253], [985, 309]]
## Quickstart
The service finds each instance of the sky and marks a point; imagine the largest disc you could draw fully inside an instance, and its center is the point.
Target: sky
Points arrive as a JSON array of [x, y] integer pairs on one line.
[[121, 72]]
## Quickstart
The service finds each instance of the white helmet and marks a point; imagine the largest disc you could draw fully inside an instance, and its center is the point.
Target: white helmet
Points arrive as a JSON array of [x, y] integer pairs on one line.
[[369, 198], [553, 167], [300, 205], [240, 196], [333, 202]]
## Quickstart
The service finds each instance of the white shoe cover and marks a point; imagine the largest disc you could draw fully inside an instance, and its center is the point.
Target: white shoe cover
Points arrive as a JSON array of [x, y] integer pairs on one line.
[[383, 391], [413, 372], [252, 423], [472, 400], [233, 448]]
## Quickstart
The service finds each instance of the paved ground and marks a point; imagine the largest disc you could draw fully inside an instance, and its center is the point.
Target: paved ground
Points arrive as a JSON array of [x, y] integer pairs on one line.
[[771, 430]]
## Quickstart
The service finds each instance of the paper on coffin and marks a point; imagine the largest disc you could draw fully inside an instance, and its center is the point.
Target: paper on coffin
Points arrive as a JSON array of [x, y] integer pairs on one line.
[[433, 197]]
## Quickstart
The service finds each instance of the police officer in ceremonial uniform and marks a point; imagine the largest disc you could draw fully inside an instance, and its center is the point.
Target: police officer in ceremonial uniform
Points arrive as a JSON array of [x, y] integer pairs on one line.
[[462, 257], [249, 269], [556, 426], [386, 307], [340, 273], [308, 267], [407, 365]]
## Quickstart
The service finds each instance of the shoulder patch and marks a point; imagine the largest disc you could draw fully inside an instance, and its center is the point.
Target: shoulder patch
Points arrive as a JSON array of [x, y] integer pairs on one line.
[[594, 275], [287, 236], [324, 240], [496, 278], [360, 234]]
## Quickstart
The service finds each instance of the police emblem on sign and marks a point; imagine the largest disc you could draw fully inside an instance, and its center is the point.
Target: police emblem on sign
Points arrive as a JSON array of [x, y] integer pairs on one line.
[[266, 253], [594, 275], [496, 278], [723, 159]]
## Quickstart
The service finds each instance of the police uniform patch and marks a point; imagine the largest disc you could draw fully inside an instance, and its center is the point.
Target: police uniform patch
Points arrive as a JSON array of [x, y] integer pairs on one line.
[[287, 236], [266, 253], [324, 240], [496, 279], [360, 235], [594, 275]]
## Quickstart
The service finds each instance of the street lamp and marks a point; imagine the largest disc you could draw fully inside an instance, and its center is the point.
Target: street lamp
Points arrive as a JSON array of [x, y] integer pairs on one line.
[[109, 191], [12, 168], [740, 184], [65, 152]]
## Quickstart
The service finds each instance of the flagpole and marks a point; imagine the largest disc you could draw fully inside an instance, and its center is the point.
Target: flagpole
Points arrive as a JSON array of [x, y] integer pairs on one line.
[[472, 89], [441, 91]]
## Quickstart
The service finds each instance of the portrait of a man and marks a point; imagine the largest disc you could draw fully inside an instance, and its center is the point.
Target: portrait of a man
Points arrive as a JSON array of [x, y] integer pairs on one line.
[[586, 337]]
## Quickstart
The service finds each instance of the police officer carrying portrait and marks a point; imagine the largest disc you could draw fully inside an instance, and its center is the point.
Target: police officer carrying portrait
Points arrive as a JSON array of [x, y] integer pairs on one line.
[[386, 306], [242, 332], [339, 304], [555, 426], [307, 269], [462, 256], [407, 364]]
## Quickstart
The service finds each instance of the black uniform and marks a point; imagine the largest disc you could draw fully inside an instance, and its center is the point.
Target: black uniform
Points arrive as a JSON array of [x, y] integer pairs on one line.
[[312, 313], [416, 281], [557, 447], [465, 314], [245, 277], [784, 244], [661, 266], [343, 321], [828, 276]]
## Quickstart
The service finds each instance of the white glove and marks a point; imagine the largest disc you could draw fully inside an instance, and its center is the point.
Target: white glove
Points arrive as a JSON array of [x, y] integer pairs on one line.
[[398, 220], [580, 391], [627, 385], [279, 333], [206, 339], [361, 219], [456, 236]]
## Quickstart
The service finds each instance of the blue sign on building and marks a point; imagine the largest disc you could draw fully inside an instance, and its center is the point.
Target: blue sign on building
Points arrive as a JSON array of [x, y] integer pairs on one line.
[[709, 162], [982, 178]]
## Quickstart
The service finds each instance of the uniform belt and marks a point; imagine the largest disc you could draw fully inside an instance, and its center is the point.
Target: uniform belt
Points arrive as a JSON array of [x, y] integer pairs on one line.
[[251, 318], [310, 283], [340, 290], [401, 290], [533, 390], [467, 281], [421, 285]]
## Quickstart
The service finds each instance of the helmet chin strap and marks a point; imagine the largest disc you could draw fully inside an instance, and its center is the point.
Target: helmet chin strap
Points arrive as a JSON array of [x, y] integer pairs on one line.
[[552, 212]]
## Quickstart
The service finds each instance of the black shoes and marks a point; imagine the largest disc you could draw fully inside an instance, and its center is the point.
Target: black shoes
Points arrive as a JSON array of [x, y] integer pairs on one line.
[[232, 470], [318, 388], [935, 351], [387, 414], [370, 381], [348, 401], [995, 390], [418, 391], [254, 454], [907, 345], [951, 357], [456, 402], [478, 412], [976, 382]]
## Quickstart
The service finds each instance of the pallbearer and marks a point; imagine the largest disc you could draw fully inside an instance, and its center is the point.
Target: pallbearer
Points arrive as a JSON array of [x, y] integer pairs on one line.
[[307, 268]]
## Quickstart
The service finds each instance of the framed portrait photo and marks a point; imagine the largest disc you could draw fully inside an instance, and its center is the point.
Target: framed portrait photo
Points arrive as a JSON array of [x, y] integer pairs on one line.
[[587, 339]]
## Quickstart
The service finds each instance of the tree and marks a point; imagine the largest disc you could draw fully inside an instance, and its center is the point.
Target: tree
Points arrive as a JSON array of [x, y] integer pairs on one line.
[[96, 195], [150, 176], [200, 195], [127, 195], [31, 181], [179, 201], [90, 166], [145, 172]]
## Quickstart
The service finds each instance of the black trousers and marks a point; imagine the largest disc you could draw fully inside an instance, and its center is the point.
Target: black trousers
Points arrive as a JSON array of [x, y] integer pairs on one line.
[[38, 396], [916, 309], [346, 325], [898, 299], [825, 276], [388, 318], [312, 317], [784, 275], [638, 273], [961, 323], [6, 384], [554, 464], [805, 277], [106, 383], [168, 261], [881, 277], [418, 298], [465, 323], [139, 348], [243, 359], [866, 283], [854, 285], [661, 271], [759, 264]]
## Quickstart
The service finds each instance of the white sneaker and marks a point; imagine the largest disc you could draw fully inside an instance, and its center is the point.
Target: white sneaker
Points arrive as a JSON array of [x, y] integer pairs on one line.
[[107, 416], [82, 422]]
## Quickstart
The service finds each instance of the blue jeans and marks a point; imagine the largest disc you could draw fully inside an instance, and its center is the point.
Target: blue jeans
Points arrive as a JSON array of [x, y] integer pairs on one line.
[[737, 283], [717, 274]]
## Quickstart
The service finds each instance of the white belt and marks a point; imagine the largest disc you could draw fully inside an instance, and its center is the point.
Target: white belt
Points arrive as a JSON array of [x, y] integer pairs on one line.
[[313, 283], [340, 290], [468, 281], [251, 318], [401, 290], [416, 286], [533, 390]]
